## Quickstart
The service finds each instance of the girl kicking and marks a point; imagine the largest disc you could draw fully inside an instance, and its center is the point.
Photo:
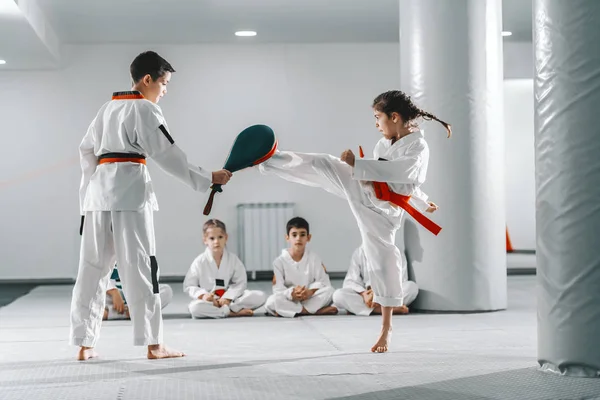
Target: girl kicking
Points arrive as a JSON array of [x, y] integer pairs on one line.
[[378, 191]]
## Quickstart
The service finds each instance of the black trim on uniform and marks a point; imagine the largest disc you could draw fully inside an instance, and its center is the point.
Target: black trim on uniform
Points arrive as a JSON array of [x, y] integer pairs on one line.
[[164, 131], [121, 155], [126, 93], [154, 273], [81, 226]]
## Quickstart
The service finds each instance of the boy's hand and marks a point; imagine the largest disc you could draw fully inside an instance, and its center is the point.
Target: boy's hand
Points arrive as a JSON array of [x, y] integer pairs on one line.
[[308, 293], [221, 177], [223, 302], [348, 157], [432, 207], [297, 293], [118, 303]]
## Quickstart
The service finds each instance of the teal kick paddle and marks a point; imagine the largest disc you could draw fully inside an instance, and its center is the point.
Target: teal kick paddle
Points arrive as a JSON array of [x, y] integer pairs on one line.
[[254, 145]]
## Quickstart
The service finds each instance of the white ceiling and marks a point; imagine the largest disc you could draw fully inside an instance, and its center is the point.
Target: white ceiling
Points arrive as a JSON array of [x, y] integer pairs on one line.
[[208, 21]]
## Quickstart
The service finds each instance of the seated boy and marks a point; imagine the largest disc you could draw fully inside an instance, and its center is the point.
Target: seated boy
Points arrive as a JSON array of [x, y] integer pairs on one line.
[[217, 281], [301, 284], [356, 295], [116, 305]]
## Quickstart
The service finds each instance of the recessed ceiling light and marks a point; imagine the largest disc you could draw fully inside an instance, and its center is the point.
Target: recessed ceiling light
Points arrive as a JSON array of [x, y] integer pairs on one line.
[[245, 33], [2, 62], [506, 33]]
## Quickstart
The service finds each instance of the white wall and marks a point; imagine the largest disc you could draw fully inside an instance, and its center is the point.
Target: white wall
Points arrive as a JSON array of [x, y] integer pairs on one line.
[[520, 162], [316, 97]]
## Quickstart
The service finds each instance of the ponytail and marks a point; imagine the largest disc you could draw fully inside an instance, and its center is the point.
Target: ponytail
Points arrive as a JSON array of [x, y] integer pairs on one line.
[[428, 116]]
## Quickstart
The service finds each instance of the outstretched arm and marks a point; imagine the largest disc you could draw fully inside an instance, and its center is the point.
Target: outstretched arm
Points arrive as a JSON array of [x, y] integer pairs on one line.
[[155, 139]]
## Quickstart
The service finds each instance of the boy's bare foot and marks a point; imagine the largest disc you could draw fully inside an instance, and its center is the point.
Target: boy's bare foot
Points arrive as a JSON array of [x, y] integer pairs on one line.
[[382, 344], [158, 351], [85, 353], [105, 315], [400, 310], [245, 312], [329, 310]]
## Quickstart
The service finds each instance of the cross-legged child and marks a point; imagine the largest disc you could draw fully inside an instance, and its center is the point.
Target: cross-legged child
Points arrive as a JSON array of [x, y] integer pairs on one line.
[[378, 191], [217, 281], [116, 304], [356, 294], [301, 284]]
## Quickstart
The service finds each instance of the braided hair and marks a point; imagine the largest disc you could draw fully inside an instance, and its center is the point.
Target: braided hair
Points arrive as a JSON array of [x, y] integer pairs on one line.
[[399, 102]]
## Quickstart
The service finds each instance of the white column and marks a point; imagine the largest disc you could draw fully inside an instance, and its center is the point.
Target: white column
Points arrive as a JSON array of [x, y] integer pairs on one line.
[[567, 154], [451, 65]]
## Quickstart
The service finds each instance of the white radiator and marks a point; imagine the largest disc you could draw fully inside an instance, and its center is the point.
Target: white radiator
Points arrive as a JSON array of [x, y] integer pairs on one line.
[[261, 233]]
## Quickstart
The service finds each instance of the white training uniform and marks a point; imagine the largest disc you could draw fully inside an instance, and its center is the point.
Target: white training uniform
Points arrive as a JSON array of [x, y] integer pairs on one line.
[[117, 200], [308, 272], [201, 279], [378, 220], [164, 291], [357, 281]]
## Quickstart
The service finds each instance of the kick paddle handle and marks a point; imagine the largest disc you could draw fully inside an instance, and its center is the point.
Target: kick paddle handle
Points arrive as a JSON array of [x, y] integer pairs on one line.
[[360, 152], [209, 203]]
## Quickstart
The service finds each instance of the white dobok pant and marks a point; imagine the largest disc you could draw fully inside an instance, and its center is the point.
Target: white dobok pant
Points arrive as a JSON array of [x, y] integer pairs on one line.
[[349, 300], [250, 299], [278, 303], [377, 230], [126, 237]]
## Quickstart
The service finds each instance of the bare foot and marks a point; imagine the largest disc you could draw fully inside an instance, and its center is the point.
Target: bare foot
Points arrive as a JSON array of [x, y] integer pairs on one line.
[[85, 353], [385, 337], [245, 312], [329, 310], [158, 351], [105, 315], [402, 310]]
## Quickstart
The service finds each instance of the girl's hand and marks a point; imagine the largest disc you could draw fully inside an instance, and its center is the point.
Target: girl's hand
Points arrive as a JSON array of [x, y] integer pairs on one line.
[[348, 157], [208, 297], [432, 207], [223, 302]]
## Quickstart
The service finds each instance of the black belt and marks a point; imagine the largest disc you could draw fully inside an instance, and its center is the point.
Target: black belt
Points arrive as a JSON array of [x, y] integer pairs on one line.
[[121, 155]]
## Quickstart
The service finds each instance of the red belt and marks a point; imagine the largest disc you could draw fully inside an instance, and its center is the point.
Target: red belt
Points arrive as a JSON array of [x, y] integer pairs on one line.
[[383, 192]]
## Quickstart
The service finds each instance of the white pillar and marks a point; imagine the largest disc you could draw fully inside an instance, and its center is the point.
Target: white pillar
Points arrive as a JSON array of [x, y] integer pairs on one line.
[[451, 65], [567, 154]]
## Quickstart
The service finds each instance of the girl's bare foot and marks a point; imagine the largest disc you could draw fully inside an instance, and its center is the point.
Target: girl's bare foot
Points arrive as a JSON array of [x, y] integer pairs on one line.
[[158, 351], [85, 353], [329, 310], [382, 344], [245, 312]]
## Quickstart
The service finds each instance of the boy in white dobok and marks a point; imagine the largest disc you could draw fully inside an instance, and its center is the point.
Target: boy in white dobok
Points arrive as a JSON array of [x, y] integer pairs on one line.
[[117, 204], [301, 284], [217, 281], [356, 295]]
